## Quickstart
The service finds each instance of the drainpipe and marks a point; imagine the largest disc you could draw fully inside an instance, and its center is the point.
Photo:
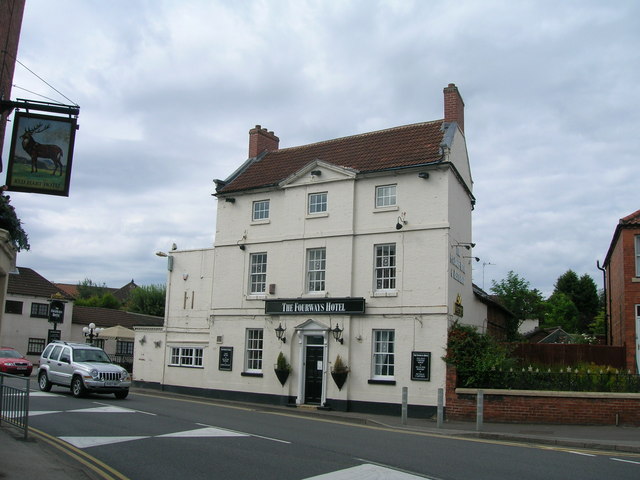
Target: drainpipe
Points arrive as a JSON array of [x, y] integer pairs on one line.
[[607, 306]]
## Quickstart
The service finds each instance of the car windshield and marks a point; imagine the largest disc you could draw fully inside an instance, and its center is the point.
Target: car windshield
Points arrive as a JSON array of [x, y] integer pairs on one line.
[[90, 355], [9, 354]]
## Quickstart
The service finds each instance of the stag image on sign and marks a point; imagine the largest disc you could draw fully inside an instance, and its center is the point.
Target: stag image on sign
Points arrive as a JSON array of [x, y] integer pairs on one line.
[[41, 154]]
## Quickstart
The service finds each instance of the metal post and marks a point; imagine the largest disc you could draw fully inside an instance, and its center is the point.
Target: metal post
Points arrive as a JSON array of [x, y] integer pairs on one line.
[[479, 410], [405, 396], [1, 394], [440, 407]]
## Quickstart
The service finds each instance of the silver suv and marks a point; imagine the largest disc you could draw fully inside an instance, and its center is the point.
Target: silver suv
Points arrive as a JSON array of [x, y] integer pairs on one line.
[[82, 367]]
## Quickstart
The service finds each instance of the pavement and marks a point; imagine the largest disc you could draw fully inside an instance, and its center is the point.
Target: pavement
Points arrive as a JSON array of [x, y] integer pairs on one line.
[[36, 457]]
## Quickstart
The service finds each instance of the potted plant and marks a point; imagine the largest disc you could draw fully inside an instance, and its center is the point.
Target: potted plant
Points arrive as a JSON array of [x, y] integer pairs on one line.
[[339, 372], [282, 368]]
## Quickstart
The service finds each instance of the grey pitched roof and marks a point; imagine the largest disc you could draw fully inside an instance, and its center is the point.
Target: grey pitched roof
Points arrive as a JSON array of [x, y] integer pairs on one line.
[[29, 282]]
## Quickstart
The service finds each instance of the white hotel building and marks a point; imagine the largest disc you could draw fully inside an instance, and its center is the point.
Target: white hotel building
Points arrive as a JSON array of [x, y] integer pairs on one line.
[[366, 238]]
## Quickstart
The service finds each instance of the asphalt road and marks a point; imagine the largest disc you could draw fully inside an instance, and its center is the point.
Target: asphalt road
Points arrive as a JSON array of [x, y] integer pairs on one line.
[[149, 436]]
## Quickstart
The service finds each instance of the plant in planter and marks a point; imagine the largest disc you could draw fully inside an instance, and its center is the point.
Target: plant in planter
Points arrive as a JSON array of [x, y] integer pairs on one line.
[[339, 372], [282, 368]]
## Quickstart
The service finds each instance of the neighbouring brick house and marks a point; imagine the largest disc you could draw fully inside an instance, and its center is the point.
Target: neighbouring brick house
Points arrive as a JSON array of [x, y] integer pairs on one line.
[[622, 267]]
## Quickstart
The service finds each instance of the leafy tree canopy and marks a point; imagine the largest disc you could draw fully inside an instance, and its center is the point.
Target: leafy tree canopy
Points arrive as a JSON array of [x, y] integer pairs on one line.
[[561, 312], [522, 301], [583, 293], [148, 299], [10, 222]]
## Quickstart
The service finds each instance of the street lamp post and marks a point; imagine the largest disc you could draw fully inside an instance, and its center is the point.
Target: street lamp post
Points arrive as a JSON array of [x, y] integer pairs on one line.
[[91, 332]]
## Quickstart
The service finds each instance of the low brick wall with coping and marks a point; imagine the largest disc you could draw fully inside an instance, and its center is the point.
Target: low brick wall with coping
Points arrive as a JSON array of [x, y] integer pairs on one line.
[[547, 407]]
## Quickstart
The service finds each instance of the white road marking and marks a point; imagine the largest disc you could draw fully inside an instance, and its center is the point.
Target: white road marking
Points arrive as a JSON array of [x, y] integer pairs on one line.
[[581, 453], [86, 442], [249, 434], [624, 461], [366, 472], [107, 409], [204, 432]]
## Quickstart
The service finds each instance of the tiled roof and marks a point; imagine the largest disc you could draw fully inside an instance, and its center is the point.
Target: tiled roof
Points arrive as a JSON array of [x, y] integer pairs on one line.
[[122, 293], [633, 219], [106, 317], [29, 282], [397, 147]]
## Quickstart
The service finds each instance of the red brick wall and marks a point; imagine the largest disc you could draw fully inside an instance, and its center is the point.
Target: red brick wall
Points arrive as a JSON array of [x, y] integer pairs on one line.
[[568, 409]]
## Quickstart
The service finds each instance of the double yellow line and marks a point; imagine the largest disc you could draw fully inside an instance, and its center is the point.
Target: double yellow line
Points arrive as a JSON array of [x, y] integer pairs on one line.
[[101, 469]]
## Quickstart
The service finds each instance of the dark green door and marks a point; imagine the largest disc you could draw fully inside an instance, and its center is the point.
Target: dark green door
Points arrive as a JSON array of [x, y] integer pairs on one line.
[[313, 370]]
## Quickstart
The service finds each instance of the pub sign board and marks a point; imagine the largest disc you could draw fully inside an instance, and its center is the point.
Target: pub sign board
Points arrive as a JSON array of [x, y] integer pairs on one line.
[[53, 335], [421, 366], [56, 311], [307, 306], [225, 360], [41, 154]]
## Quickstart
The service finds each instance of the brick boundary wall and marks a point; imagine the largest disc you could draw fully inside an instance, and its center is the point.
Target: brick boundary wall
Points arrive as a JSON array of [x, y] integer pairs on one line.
[[547, 407]]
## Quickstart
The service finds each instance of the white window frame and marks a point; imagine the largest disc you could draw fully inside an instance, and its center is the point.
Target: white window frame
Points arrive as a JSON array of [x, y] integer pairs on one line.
[[260, 210], [384, 267], [258, 273], [254, 349], [386, 196], [383, 355], [317, 203], [316, 270], [190, 357]]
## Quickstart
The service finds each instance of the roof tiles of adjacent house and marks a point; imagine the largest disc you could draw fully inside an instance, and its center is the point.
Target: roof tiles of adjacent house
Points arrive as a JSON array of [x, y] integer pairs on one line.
[[631, 221], [399, 147], [107, 317], [122, 293], [28, 282]]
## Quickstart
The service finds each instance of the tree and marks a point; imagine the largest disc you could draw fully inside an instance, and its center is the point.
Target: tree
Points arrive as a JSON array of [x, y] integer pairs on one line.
[[10, 222], [583, 293], [522, 301], [561, 312], [148, 299], [87, 289]]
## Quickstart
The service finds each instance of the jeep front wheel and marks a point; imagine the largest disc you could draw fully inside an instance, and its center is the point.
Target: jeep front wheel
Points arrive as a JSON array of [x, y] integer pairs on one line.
[[122, 394], [77, 387], [43, 382]]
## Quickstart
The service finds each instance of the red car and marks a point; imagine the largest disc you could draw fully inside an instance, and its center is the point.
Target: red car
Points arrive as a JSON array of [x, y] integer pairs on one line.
[[14, 363]]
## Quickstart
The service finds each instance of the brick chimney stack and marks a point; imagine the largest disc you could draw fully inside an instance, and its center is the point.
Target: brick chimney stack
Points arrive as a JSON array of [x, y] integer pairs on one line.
[[260, 140], [453, 106]]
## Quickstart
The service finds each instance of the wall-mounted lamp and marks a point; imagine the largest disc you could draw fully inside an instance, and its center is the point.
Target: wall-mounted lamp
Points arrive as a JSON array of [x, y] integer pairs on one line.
[[230, 200], [169, 259], [337, 334], [423, 175], [241, 247], [280, 333], [401, 221], [468, 246], [316, 173], [477, 259]]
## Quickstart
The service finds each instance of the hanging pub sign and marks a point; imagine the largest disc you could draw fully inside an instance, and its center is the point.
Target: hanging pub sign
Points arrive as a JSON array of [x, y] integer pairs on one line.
[[41, 154], [56, 311]]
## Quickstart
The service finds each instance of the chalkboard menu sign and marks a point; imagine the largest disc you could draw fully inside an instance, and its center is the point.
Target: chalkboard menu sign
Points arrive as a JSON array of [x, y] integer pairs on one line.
[[225, 361], [421, 366]]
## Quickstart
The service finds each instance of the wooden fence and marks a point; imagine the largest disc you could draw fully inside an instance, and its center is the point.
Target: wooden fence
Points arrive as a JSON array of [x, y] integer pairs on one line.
[[568, 354]]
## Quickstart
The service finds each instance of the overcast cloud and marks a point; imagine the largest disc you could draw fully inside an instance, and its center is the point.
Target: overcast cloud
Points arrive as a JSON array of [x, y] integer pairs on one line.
[[168, 91]]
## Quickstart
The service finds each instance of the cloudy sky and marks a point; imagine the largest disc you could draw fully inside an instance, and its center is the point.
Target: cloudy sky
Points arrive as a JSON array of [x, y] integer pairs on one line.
[[168, 91]]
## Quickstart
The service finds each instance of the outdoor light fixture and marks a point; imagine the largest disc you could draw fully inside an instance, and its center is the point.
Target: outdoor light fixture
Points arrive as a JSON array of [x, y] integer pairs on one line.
[[230, 200], [423, 175], [477, 259], [241, 247], [280, 333], [91, 332], [316, 173], [401, 221], [161, 254], [337, 334], [468, 246]]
